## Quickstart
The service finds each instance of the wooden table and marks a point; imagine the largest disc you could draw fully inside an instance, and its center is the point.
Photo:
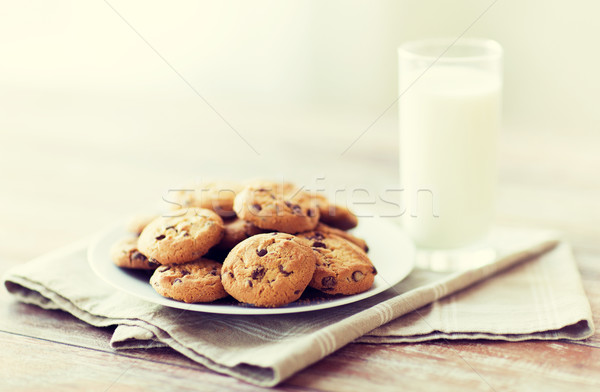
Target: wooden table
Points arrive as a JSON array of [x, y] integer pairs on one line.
[[73, 163]]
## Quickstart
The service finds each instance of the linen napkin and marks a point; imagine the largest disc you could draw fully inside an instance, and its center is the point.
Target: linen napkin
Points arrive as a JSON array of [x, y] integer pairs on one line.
[[539, 299]]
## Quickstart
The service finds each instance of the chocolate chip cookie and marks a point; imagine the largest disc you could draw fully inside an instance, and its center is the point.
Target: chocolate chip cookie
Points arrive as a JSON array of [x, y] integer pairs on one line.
[[268, 270], [213, 195], [335, 215], [342, 267], [323, 228], [237, 230], [181, 238], [277, 206], [196, 281], [125, 254]]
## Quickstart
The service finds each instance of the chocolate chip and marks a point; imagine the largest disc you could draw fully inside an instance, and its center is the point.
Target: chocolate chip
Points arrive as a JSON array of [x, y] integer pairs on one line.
[[310, 212], [374, 270], [357, 276], [176, 281], [319, 244], [213, 273], [328, 282], [297, 292], [261, 252], [170, 227], [257, 207], [165, 269], [185, 272], [153, 264], [287, 203], [231, 275], [136, 255], [186, 234], [366, 250], [258, 273], [262, 190], [249, 283], [284, 272], [160, 237], [316, 236]]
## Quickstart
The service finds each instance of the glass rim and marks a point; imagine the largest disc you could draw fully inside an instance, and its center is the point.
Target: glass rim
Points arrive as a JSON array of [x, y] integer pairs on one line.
[[492, 50]]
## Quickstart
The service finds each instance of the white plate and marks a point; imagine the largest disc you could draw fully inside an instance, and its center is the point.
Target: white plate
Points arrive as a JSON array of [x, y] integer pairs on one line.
[[390, 249]]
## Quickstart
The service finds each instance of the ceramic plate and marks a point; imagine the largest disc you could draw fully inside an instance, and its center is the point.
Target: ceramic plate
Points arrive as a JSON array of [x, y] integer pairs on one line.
[[391, 251]]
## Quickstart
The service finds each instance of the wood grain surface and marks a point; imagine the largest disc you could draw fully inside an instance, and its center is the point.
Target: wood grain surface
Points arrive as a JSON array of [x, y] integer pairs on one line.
[[71, 169]]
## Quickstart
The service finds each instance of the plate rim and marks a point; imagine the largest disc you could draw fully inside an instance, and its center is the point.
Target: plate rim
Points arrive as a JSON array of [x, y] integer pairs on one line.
[[97, 240]]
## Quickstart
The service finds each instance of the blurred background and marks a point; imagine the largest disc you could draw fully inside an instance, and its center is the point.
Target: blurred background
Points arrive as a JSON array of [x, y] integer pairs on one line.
[[98, 113]]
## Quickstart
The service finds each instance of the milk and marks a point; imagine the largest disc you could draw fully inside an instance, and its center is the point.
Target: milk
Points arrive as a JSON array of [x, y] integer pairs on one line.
[[449, 122]]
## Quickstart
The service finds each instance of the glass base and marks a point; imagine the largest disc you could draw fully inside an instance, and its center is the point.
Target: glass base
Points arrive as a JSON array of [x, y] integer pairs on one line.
[[460, 259]]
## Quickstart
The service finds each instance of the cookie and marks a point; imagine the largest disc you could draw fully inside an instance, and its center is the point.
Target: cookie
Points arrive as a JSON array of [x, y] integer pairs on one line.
[[217, 196], [237, 230], [276, 206], [196, 281], [323, 228], [335, 215], [125, 254], [268, 270], [342, 267], [181, 238], [136, 223]]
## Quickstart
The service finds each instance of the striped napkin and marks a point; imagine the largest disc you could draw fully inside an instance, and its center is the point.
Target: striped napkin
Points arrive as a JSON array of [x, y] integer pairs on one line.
[[538, 296]]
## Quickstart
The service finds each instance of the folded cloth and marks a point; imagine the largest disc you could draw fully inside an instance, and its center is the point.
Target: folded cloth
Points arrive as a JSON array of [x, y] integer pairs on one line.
[[540, 299]]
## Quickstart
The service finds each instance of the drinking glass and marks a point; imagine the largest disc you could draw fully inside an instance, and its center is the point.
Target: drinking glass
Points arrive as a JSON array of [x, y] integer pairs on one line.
[[449, 116]]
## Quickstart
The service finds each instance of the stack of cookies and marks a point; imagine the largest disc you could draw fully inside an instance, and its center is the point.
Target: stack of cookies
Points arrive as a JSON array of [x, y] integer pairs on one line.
[[274, 241]]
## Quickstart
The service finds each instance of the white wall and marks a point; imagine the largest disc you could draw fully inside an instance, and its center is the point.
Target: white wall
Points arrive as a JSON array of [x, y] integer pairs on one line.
[[338, 53]]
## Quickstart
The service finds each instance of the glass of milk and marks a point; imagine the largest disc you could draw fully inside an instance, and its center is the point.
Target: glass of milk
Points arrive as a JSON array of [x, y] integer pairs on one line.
[[449, 116]]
